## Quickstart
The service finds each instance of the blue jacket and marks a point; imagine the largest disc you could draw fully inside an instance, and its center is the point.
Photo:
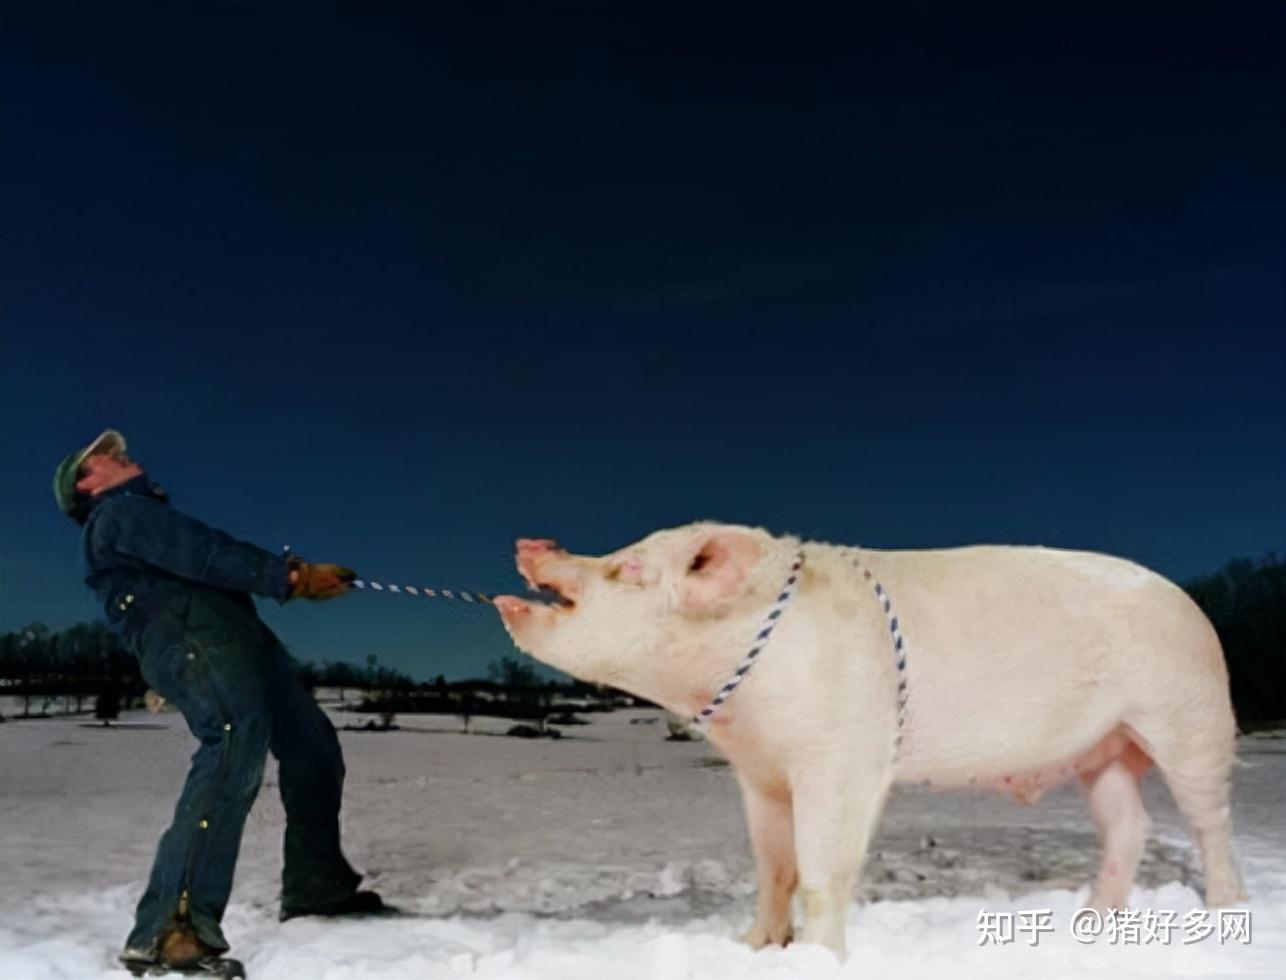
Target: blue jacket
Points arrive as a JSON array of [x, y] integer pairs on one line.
[[163, 576]]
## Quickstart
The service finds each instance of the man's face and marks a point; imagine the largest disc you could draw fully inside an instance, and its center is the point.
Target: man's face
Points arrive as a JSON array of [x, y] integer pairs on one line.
[[102, 472]]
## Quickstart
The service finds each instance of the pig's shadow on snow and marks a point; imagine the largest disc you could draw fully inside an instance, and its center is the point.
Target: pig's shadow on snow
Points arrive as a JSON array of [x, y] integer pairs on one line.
[[903, 866], [968, 861], [907, 867]]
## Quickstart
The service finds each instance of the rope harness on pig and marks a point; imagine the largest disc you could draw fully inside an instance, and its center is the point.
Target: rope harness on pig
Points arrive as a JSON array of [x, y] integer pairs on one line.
[[899, 649], [770, 622], [761, 641]]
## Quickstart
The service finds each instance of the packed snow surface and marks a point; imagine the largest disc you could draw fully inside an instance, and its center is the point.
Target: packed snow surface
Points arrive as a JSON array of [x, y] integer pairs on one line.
[[610, 853]]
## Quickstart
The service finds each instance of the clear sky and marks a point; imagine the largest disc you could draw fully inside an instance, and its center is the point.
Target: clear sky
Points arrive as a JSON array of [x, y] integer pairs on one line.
[[396, 287]]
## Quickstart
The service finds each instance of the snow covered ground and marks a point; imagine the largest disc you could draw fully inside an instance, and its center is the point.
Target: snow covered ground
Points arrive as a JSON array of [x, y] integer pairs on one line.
[[609, 853]]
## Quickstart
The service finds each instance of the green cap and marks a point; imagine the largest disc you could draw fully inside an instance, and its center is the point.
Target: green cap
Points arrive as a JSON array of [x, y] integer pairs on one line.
[[108, 441]]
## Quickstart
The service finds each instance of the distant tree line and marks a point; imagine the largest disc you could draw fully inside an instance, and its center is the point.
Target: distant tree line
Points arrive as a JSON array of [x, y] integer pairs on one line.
[[81, 664], [85, 666], [1246, 602], [514, 688]]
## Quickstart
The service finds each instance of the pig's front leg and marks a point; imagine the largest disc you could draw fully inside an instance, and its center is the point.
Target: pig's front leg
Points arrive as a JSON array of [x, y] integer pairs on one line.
[[836, 810], [772, 839]]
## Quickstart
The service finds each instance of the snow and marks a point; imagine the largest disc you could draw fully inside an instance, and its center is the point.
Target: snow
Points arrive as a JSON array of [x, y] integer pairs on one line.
[[608, 853]]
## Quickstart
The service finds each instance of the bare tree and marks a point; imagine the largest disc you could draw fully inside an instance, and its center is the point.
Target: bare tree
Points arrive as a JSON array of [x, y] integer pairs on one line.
[[467, 709]]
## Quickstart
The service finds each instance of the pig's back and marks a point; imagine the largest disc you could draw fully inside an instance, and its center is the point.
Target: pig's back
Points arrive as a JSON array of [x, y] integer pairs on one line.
[[1017, 655]]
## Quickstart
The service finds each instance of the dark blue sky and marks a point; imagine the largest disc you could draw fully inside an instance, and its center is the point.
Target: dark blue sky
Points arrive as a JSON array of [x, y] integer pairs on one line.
[[396, 287]]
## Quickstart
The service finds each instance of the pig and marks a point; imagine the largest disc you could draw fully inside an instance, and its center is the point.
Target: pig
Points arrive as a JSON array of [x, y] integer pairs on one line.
[[1005, 667]]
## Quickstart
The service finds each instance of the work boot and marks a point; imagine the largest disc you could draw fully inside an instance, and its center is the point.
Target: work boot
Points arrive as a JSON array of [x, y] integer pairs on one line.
[[180, 951], [181, 947], [357, 904]]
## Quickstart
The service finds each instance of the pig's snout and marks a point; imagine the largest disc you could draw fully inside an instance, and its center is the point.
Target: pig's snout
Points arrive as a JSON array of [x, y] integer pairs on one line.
[[536, 546], [531, 554]]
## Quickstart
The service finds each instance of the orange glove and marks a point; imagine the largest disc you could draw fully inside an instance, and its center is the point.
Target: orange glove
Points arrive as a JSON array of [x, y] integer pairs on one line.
[[315, 580]]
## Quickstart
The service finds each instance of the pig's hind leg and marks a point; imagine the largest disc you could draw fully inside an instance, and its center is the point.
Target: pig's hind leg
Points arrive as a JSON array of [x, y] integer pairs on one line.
[[772, 838], [1197, 768], [1117, 807]]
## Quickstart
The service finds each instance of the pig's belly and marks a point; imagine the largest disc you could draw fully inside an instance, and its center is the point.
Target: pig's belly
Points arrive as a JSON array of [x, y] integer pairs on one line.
[[1029, 783]]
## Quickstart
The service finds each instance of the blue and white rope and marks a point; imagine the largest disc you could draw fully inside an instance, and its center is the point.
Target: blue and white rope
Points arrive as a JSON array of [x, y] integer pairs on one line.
[[761, 640], [424, 592], [899, 648]]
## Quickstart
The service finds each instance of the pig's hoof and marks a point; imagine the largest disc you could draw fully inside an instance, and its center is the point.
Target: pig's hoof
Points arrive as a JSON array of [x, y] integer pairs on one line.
[[1104, 902], [757, 936], [1226, 898]]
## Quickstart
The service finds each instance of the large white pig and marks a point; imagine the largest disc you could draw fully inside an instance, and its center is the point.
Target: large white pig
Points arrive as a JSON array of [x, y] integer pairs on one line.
[[1007, 667]]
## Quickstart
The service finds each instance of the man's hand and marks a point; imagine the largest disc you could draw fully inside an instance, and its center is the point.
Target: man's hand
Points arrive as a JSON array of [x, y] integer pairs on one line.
[[315, 580]]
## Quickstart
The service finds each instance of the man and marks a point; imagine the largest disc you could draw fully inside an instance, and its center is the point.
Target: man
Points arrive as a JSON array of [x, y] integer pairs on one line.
[[179, 592]]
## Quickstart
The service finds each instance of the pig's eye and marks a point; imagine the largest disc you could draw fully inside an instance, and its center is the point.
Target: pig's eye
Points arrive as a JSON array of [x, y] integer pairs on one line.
[[699, 562]]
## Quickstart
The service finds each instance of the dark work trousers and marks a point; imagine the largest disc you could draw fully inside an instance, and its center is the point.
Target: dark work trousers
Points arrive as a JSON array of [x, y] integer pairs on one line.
[[240, 694]]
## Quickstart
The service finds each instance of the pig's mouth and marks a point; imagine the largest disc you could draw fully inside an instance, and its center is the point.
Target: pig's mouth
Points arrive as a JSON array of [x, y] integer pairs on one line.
[[547, 591], [549, 572], [548, 594]]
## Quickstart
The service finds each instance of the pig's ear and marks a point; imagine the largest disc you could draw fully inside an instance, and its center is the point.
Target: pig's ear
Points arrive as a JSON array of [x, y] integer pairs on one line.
[[717, 568]]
